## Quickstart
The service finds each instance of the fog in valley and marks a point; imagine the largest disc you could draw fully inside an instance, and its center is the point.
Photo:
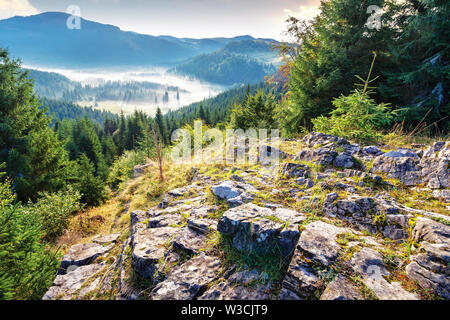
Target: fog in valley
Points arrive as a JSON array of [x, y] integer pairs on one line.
[[129, 90]]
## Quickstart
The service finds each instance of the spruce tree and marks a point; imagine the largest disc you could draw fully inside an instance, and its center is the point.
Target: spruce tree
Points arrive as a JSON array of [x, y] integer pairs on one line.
[[36, 159]]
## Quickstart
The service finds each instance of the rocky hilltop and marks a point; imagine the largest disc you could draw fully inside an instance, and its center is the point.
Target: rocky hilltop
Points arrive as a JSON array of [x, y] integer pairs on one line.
[[336, 220]]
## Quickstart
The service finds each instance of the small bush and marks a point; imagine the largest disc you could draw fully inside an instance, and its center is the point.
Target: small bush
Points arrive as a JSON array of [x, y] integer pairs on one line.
[[27, 266], [357, 116], [122, 168], [53, 211]]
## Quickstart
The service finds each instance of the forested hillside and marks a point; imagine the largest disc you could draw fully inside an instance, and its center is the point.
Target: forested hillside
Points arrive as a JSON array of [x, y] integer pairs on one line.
[[50, 84], [239, 62]]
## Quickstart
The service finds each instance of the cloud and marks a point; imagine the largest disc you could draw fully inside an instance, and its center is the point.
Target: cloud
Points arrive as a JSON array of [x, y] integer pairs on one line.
[[304, 12], [11, 8]]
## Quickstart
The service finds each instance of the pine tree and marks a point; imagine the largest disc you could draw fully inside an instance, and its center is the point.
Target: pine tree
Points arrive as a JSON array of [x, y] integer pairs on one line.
[[336, 47], [91, 187], [36, 159], [27, 267], [161, 127]]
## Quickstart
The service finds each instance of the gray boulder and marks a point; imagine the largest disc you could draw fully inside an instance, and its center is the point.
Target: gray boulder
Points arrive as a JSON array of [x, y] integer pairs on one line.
[[81, 255], [255, 228], [369, 264], [294, 170], [188, 281], [344, 160], [149, 247], [189, 241], [341, 289], [232, 192], [301, 281], [431, 231], [242, 285], [318, 240], [67, 285]]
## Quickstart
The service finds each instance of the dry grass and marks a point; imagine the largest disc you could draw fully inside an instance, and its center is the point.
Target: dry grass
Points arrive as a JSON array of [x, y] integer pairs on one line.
[[140, 193]]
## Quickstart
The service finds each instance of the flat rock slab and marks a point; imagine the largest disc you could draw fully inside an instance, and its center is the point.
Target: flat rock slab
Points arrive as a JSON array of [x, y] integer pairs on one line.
[[233, 192], [149, 247], [341, 289], [189, 241], [254, 228], [242, 285], [431, 231], [440, 283], [82, 254], [64, 286], [294, 170], [203, 226], [107, 239], [165, 220], [369, 264], [318, 241], [187, 281], [301, 281], [431, 268], [228, 291]]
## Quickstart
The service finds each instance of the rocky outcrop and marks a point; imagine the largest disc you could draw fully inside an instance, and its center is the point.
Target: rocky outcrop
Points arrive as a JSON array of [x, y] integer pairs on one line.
[[328, 150], [81, 255], [430, 266], [318, 242], [180, 248], [259, 229], [76, 281], [341, 289], [234, 193], [189, 280], [242, 285], [369, 264], [406, 165], [294, 170], [373, 214], [149, 248]]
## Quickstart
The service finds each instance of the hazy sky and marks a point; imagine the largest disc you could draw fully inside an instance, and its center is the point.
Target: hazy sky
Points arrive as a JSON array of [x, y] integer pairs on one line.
[[180, 18]]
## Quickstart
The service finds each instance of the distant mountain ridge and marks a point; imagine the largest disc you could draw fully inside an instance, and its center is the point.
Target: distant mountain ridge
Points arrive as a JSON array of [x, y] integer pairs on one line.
[[44, 40], [239, 62]]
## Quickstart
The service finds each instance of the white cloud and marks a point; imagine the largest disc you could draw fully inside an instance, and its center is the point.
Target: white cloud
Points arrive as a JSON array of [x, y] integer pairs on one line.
[[304, 12], [11, 8]]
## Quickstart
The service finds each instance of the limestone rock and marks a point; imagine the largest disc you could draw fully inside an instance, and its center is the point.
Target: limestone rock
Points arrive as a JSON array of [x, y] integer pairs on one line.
[[431, 267], [369, 264], [187, 281], [64, 286], [252, 228], [341, 289], [344, 160], [149, 246], [189, 241], [165, 220], [107, 239], [82, 254], [232, 192], [202, 226], [428, 279], [294, 170], [243, 285], [300, 281], [318, 241], [431, 231], [286, 294]]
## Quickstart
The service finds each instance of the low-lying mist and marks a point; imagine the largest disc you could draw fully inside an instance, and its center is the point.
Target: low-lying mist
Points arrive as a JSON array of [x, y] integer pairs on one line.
[[134, 89]]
